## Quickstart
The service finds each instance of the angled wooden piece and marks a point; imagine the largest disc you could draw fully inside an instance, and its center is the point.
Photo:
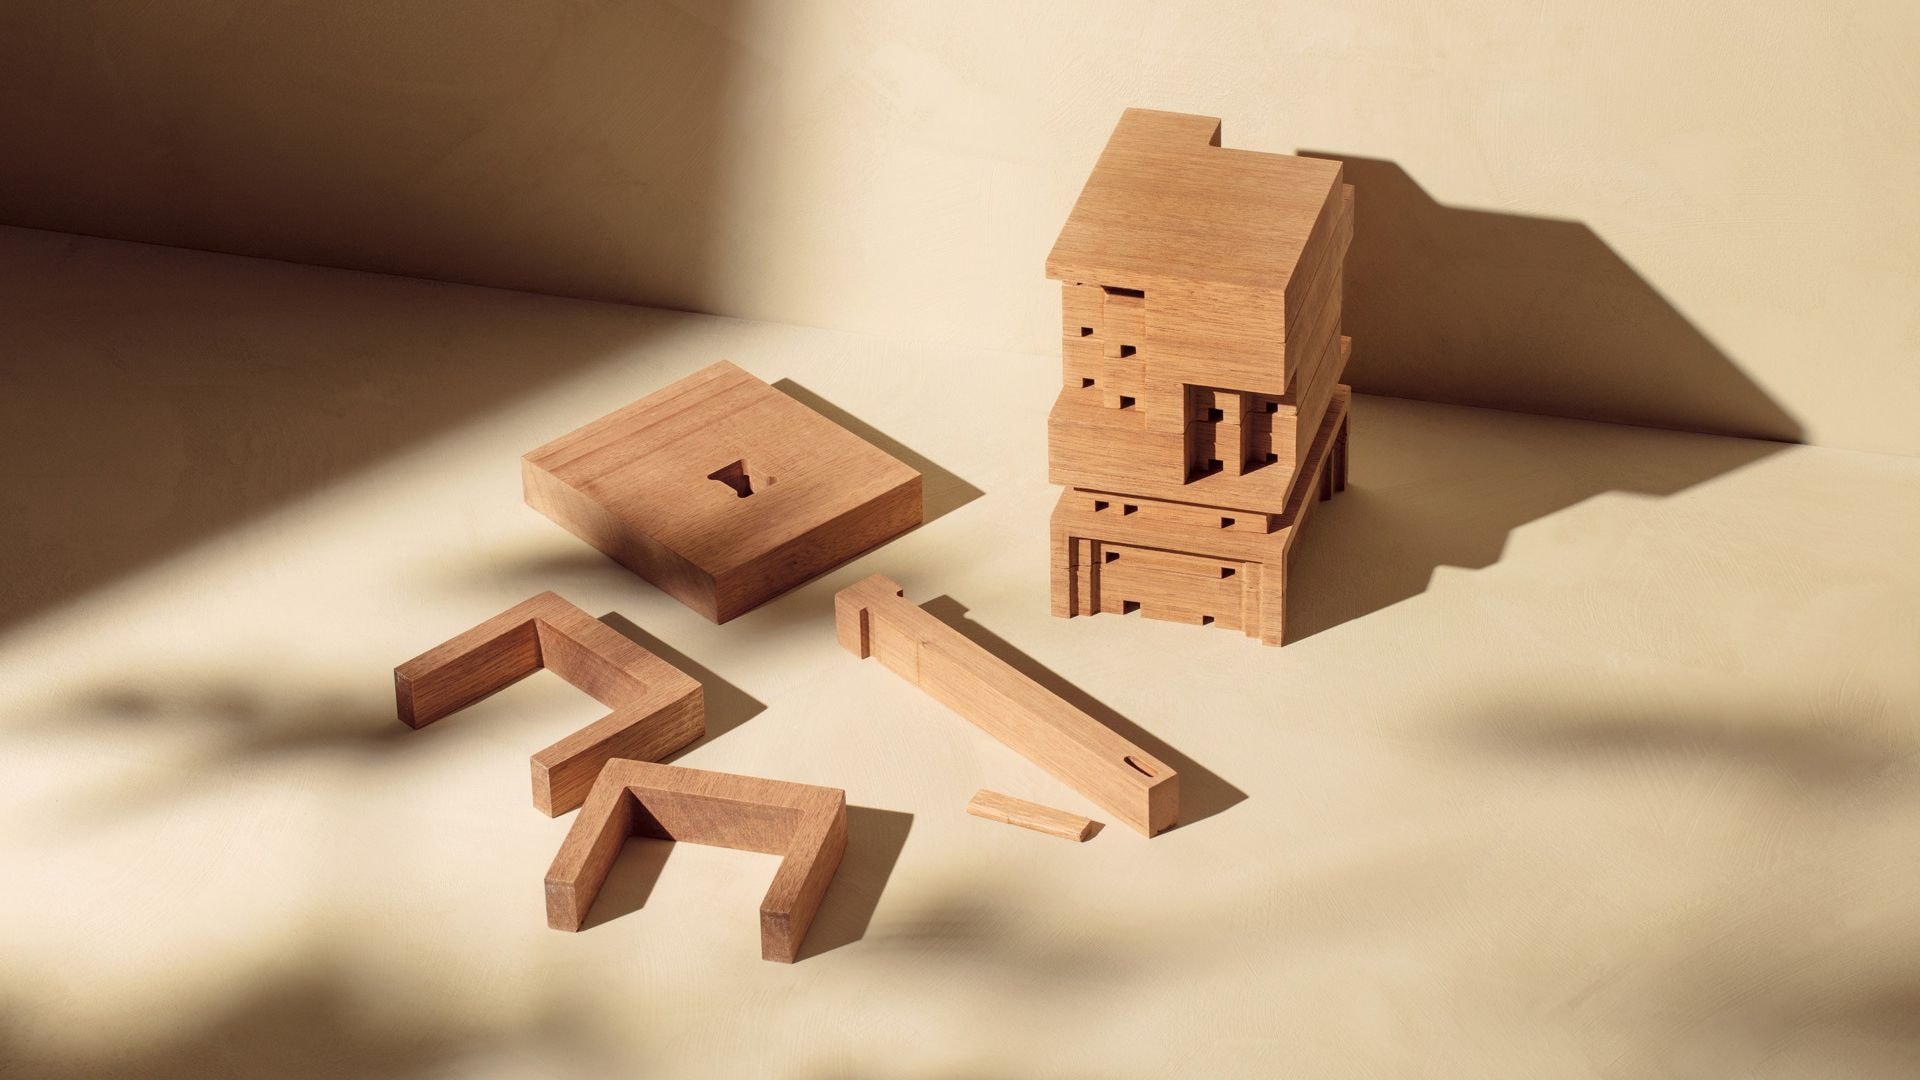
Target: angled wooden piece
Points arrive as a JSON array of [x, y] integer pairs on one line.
[[805, 824], [994, 806], [722, 491], [873, 618], [657, 708]]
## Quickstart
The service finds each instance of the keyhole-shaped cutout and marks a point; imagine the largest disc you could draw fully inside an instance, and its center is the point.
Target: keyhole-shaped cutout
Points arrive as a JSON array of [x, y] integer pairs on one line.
[[735, 476]]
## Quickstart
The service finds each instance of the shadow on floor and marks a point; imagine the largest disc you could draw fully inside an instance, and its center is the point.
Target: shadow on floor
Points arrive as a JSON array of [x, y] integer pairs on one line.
[[236, 724], [1837, 749], [318, 1024], [1525, 313], [981, 934], [941, 492], [727, 705], [1203, 793], [631, 880], [241, 723], [875, 839], [1433, 485], [220, 389], [249, 723], [1516, 313], [152, 398]]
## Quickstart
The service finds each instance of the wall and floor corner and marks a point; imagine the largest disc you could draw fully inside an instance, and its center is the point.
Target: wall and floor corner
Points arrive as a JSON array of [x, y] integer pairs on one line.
[[552, 148], [1690, 217]]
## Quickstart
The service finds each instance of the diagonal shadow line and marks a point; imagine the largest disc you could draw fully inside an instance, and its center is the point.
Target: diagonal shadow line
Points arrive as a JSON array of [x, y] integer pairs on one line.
[[875, 839], [1508, 312], [727, 705], [153, 398], [314, 1019], [1529, 314], [1435, 486], [636, 870]]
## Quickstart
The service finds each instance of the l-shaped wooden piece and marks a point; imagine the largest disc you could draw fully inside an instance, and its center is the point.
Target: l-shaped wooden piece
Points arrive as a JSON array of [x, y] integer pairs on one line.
[[657, 708], [804, 823], [874, 618]]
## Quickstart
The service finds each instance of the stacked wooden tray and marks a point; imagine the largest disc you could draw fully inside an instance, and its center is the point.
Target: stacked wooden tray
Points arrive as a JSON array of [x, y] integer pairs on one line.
[[1201, 413]]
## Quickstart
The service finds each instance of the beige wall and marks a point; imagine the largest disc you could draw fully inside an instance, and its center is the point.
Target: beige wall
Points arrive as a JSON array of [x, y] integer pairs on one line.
[[1695, 215]]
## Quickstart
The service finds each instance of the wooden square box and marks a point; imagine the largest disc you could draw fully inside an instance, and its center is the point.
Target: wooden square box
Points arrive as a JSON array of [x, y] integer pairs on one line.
[[1220, 267], [1254, 456], [722, 491], [1207, 565]]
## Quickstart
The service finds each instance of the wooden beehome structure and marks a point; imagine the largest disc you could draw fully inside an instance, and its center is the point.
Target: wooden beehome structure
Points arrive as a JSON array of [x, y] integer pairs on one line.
[[1201, 412]]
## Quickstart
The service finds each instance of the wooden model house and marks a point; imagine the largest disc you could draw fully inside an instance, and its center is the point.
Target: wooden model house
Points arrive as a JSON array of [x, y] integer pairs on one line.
[[1201, 411]]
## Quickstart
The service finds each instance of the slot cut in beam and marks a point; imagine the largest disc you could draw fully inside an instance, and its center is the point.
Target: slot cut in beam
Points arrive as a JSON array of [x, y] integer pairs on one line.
[[874, 618]]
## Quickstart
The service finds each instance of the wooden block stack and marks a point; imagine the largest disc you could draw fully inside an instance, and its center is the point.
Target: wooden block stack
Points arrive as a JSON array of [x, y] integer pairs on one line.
[[1201, 411]]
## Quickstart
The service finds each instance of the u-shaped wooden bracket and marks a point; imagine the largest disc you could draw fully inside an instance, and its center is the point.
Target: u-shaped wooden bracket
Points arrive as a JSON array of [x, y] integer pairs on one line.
[[804, 823], [657, 708]]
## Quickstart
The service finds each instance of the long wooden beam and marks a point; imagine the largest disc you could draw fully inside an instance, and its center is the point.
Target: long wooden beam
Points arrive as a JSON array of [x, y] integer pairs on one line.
[[874, 618]]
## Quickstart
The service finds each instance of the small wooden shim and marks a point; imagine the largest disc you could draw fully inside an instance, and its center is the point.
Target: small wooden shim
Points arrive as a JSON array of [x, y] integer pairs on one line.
[[994, 806], [873, 618], [807, 825], [657, 708]]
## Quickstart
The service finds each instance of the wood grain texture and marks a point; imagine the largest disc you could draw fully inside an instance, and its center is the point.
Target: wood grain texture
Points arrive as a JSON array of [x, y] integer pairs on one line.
[[722, 491], [1101, 449], [547, 201], [1228, 246], [1313, 338], [657, 708], [874, 618], [1106, 343], [995, 806], [1186, 563], [803, 823], [1201, 398], [1681, 701]]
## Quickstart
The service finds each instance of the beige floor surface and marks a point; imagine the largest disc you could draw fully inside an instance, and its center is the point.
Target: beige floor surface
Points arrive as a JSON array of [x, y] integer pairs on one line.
[[1596, 758]]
